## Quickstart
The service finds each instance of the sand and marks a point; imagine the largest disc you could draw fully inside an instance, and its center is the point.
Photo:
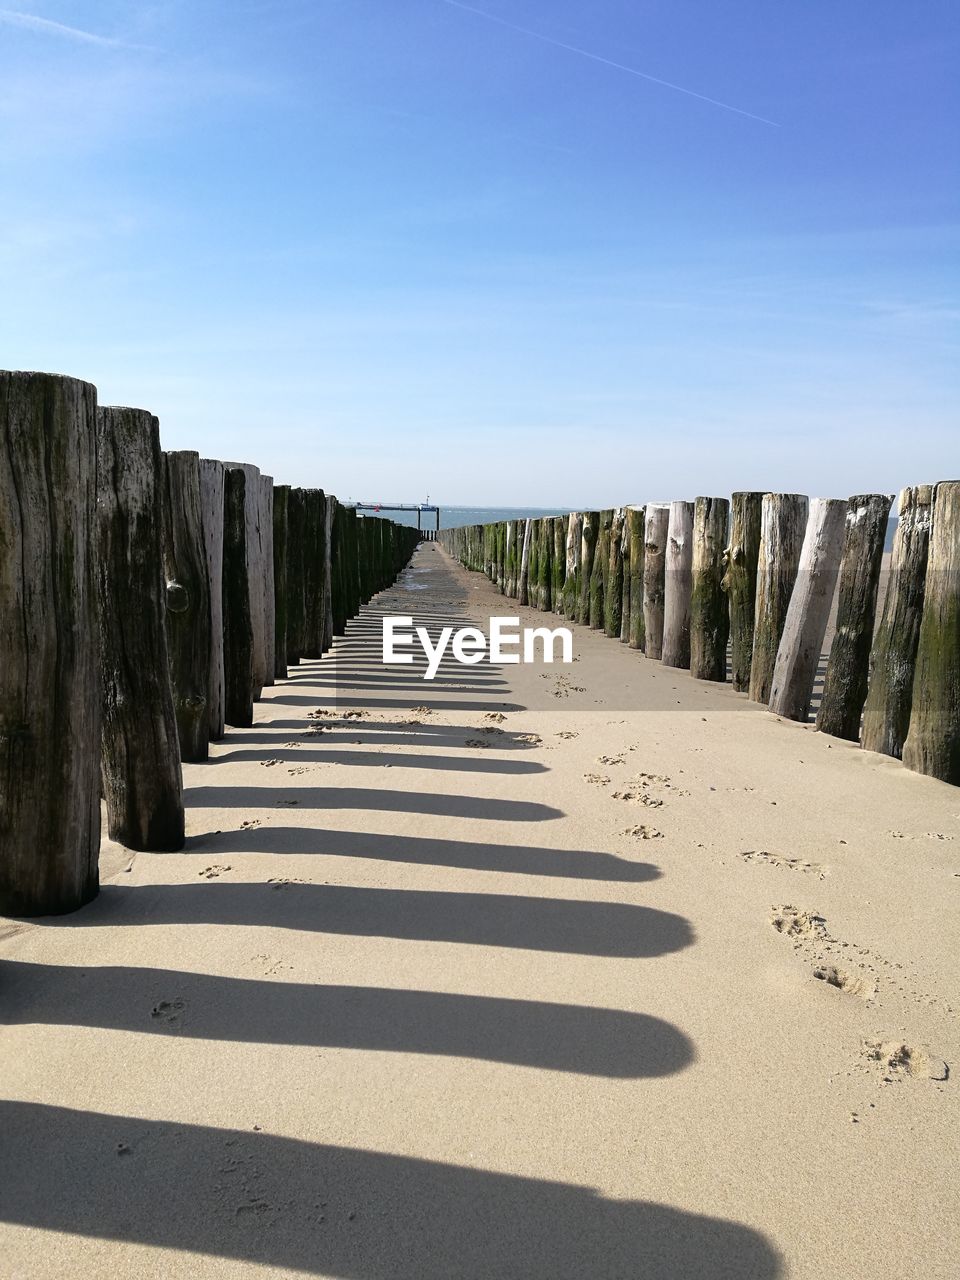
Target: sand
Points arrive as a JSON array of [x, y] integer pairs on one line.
[[586, 972]]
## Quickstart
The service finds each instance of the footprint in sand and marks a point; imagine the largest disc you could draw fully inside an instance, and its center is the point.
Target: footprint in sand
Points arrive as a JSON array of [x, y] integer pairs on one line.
[[567, 734], [286, 804], [609, 760], [644, 833], [169, 1011], [785, 864], [301, 769], [794, 923], [899, 1061], [268, 764], [639, 796], [529, 739], [214, 870], [476, 742], [357, 715], [854, 984], [283, 882], [248, 823], [494, 717], [596, 779]]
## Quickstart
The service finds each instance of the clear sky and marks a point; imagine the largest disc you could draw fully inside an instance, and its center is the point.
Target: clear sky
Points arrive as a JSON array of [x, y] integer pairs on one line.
[[573, 252]]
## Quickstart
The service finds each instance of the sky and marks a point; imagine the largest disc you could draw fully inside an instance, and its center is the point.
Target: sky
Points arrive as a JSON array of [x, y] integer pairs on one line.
[[539, 252]]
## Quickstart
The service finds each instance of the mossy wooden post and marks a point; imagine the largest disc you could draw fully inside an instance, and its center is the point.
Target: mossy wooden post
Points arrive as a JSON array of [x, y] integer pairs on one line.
[[187, 601], [237, 622], [336, 567], [559, 562], [636, 517], [613, 587], [709, 610], [933, 740], [140, 753], [295, 601], [598, 572], [571, 581], [678, 586], [510, 561], [589, 533], [533, 566], [886, 713], [49, 673], [740, 583], [848, 667], [254, 570], [265, 527], [211, 519], [502, 557], [330, 508], [523, 583], [783, 520], [545, 564], [809, 610], [312, 574], [625, 592], [281, 500], [656, 526]]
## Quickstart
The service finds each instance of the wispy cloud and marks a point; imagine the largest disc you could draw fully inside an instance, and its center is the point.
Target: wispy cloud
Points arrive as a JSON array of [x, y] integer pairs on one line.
[[596, 57], [45, 26]]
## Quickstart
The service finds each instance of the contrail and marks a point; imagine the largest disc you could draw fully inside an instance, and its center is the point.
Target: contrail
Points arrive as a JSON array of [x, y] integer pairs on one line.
[[31, 21], [595, 57]]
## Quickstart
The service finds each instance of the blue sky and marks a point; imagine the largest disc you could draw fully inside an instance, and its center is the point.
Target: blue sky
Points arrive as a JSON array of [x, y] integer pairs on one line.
[[394, 247]]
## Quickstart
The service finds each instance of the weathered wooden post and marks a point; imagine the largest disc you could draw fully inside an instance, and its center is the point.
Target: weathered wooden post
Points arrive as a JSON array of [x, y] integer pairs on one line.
[[545, 564], [187, 601], [330, 509], [559, 562], [510, 567], [601, 566], [295, 600], [265, 525], [254, 571], [589, 529], [239, 687], [571, 581], [140, 756], [337, 606], [281, 502], [613, 586], [49, 672], [636, 517], [211, 520], [656, 527], [798, 656], [625, 592], [740, 583], [313, 573], [523, 584], [678, 586], [709, 612], [886, 714], [933, 741], [845, 683], [783, 519]]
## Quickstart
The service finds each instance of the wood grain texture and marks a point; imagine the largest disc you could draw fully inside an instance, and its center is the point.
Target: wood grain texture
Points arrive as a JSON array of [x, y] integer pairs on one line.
[[239, 689], [49, 674], [783, 522], [265, 529], [678, 586], [636, 519], [140, 752], [740, 582], [211, 517], [281, 498], [254, 570], [709, 606], [656, 525]]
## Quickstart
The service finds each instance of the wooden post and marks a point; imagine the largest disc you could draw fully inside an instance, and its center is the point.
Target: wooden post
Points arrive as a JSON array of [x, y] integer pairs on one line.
[[523, 585], [140, 757], [933, 741], [265, 527], [211, 520], [337, 607], [709, 612], [806, 623], [740, 583], [545, 564], [571, 581], [845, 684], [636, 517], [295, 601], [312, 574], [510, 566], [589, 529], [598, 573], [281, 501], [783, 519], [49, 675], [237, 621], [187, 601], [559, 562], [613, 587], [254, 571], [655, 530], [678, 585], [886, 714], [330, 508]]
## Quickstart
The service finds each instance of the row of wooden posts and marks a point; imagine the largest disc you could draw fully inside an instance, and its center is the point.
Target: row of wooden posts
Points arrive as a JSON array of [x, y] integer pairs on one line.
[[146, 598], [749, 584]]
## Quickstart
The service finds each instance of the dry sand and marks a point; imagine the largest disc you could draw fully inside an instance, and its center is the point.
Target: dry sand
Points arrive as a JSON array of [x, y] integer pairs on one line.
[[585, 972]]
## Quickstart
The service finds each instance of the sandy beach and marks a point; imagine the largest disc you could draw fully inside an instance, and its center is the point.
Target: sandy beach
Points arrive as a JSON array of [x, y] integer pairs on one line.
[[532, 972]]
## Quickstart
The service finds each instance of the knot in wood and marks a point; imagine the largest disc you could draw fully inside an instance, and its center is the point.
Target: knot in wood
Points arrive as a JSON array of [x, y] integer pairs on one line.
[[177, 598]]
